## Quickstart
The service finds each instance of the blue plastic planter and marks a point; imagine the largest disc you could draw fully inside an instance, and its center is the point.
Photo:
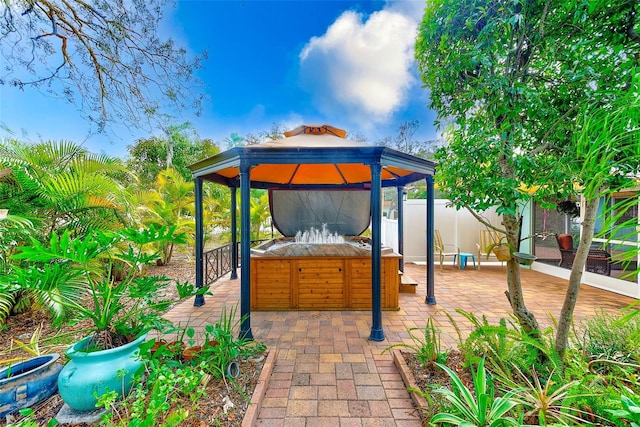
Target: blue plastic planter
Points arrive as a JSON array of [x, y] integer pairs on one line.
[[90, 375], [26, 383]]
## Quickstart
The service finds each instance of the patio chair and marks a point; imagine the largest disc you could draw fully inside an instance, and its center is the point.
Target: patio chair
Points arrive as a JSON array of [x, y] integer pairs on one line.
[[442, 249], [598, 260], [487, 238]]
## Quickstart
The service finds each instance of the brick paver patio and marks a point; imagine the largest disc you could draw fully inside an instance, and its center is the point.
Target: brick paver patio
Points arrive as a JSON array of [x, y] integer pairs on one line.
[[327, 373]]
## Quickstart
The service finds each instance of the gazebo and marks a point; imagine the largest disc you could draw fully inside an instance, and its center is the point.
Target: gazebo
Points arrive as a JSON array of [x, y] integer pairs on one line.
[[312, 157]]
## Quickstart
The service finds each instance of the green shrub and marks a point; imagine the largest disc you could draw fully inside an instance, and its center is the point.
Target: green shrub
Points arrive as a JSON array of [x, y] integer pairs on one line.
[[608, 337], [506, 345], [629, 410]]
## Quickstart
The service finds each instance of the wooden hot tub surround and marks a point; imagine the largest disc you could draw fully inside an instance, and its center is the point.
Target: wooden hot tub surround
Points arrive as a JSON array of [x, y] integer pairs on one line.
[[321, 283]]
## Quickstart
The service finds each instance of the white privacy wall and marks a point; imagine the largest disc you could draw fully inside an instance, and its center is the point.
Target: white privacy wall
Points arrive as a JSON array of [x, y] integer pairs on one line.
[[459, 228]]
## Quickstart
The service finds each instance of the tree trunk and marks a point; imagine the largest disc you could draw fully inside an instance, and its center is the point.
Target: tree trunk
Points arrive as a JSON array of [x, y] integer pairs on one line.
[[514, 285], [170, 152], [566, 315]]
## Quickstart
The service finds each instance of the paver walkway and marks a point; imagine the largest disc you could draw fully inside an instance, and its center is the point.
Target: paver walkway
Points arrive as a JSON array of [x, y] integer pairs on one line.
[[327, 373]]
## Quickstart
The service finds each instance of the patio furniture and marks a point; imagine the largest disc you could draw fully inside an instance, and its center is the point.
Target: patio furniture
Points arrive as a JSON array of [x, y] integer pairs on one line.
[[487, 238], [598, 260], [463, 260], [441, 248]]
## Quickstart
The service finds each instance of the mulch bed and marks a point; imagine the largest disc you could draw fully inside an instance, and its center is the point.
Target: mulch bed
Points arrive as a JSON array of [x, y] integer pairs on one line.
[[431, 376]]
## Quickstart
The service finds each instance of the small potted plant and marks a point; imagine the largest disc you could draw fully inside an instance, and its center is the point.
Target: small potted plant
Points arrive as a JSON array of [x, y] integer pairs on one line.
[[73, 276], [524, 258], [502, 249]]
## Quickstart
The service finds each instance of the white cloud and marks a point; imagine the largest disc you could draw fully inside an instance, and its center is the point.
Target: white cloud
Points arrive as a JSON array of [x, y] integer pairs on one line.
[[360, 69], [412, 9]]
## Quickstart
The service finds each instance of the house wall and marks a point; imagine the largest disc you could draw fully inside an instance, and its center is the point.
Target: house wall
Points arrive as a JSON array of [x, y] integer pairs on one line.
[[623, 287]]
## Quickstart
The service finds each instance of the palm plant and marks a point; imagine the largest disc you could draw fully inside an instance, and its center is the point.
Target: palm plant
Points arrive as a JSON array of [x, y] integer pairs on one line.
[[13, 229], [169, 203], [216, 212], [62, 185], [505, 345], [259, 212], [53, 186]]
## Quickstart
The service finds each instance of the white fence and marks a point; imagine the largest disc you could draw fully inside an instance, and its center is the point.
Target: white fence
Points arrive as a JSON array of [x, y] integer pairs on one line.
[[457, 227]]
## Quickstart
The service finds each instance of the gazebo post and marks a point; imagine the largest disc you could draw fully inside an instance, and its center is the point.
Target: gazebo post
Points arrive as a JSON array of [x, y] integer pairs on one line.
[[401, 226], [431, 297], [245, 251], [377, 333], [199, 300], [234, 235]]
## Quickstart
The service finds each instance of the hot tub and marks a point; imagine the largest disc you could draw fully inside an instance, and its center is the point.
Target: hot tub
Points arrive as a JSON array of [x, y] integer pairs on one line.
[[317, 275]]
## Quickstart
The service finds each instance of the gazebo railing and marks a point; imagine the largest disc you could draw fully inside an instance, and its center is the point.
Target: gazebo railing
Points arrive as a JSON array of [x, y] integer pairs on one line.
[[217, 261]]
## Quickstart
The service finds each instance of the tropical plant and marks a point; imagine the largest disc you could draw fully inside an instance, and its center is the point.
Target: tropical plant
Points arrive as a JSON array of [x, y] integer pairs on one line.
[[221, 348], [169, 203], [59, 185], [426, 347], [478, 408], [13, 231], [544, 400], [630, 410], [259, 213], [611, 337], [216, 213], [503, 345], [52, 186], [72, 278]]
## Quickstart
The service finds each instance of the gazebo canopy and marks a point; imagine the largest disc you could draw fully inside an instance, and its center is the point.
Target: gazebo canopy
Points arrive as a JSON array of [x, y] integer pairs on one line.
[[313, 156]]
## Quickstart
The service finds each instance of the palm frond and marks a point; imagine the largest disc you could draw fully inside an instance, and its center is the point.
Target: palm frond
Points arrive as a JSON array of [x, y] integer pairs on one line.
[[7, 300]]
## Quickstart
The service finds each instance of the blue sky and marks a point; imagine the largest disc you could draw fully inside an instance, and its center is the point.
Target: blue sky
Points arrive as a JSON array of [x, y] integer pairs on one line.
[[345, 63]]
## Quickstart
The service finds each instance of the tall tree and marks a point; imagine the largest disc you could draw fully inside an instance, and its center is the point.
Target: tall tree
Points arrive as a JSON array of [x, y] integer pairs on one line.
[[276, 132], [105, 56], [514, 76], [406, 141], [605, 159], [178, 148]]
